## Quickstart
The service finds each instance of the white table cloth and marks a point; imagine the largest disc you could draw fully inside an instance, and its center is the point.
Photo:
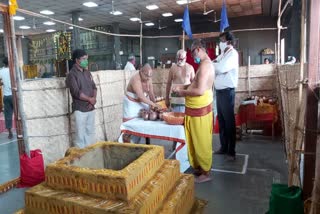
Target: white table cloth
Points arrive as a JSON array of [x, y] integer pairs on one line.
[[159, 130]]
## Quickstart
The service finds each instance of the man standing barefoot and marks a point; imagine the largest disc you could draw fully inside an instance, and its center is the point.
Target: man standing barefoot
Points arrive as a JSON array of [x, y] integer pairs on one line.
[[199, 119]]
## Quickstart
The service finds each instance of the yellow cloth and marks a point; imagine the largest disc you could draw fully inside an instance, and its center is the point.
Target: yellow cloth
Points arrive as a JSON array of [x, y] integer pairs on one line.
[[13, 6], [199, 132]]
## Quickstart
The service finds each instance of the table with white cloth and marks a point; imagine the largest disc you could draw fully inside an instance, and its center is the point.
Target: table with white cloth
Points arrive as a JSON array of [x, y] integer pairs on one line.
[[162, 131]]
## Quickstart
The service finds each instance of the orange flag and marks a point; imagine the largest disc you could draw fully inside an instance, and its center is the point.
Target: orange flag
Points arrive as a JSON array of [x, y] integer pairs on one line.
[[13, 6]]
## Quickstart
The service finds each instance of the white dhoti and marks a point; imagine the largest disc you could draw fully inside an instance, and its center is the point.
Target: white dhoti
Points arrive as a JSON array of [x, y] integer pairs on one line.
[[132, 106]]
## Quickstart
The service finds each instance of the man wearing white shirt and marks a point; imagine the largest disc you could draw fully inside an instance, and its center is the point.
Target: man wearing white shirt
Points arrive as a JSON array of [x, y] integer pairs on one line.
[[226, 71], [130, 64], [7, 96]]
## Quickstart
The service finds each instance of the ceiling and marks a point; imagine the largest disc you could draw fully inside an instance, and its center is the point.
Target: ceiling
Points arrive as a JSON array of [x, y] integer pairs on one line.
[[99, 16]]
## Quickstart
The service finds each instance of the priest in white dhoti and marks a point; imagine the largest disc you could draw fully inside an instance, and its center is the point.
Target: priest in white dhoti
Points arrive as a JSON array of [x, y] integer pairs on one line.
[[139, 94]]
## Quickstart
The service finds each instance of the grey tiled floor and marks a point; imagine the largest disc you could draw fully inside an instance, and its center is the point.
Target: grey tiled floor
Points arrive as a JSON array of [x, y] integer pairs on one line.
[[228, 192], [9, 158]]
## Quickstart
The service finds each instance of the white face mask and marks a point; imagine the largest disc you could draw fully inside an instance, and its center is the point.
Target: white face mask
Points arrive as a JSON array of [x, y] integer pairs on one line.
[[223, 46]]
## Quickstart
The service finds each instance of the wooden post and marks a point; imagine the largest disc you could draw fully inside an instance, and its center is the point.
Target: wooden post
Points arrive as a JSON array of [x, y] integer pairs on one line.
[[312, 140], [292, 165], [18, 85], [279, 32], [183, 40], [249, 74], [141, 25], [8, 40]]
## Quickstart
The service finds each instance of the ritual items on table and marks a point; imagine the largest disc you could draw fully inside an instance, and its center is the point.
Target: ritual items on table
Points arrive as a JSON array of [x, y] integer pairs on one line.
[[262, 99]]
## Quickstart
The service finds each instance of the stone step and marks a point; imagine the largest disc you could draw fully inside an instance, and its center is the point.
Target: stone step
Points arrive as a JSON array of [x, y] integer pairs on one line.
[[181, 199], [43, 199]]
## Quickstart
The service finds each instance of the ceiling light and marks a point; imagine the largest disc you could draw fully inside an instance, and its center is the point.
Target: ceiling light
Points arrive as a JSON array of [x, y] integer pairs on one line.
[[178, 20], [24, 27], [79, 19], [46, 12], [50, 30], [116, 13], [1, 30], [149, 24], [18, 18], [167, 14], [70, 27], [49, 23], [90, 4], [152, 7], [181, 2], [134, 19]]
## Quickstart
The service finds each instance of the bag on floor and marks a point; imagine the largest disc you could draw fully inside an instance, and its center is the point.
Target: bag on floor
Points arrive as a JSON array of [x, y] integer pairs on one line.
[[31, 169], [285, 200]]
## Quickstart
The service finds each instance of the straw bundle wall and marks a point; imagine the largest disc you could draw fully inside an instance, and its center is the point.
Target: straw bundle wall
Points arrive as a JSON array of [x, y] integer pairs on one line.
[[289, 76], [46, 108]]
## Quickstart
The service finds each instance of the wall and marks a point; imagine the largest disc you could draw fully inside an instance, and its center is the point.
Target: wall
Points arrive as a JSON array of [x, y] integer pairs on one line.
[[251, 42], [47, 106], [292, 19], [288, 90], [263, 82]]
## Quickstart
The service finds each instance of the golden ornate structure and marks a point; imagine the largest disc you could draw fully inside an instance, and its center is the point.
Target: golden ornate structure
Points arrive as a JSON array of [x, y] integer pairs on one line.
[[113, 178]]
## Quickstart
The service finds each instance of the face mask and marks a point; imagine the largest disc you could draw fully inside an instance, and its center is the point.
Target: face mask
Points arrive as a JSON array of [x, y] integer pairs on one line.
[[84, 63], [197, 60], [223, 46]]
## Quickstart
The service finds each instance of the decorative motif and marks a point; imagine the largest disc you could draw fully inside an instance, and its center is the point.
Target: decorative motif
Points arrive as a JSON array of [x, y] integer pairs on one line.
[[62, 45], [42, 50], [9, 185]]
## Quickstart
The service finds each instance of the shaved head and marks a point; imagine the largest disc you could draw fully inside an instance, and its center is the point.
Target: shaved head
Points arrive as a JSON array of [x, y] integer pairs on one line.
[[146, 71]]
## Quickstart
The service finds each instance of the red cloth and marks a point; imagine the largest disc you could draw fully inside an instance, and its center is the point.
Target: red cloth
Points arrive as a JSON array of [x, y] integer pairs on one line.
[[252, 112], [211, 53], [216, 124], [31, 169]]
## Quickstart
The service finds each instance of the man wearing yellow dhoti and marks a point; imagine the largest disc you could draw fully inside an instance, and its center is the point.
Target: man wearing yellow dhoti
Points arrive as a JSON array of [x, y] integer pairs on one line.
[[199, 119]]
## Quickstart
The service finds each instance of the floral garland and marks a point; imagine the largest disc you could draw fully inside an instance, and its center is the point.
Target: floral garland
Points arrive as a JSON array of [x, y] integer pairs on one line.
[[62, 45]]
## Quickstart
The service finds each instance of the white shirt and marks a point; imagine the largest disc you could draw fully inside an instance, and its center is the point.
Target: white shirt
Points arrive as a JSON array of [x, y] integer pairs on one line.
[[227, 70], [5, 77], [129, 67]]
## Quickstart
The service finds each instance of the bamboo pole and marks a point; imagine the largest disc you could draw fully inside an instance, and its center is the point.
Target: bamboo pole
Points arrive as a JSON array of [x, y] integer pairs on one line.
[[19, 95], [298, 110]]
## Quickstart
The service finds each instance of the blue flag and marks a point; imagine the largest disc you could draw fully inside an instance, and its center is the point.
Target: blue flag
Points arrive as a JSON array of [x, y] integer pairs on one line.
[[224, 23], [186, 23]]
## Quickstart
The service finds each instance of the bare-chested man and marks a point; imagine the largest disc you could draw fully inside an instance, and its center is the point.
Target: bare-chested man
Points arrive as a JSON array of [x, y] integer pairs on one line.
[[139, 94], [198, 120], [180, 74]]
